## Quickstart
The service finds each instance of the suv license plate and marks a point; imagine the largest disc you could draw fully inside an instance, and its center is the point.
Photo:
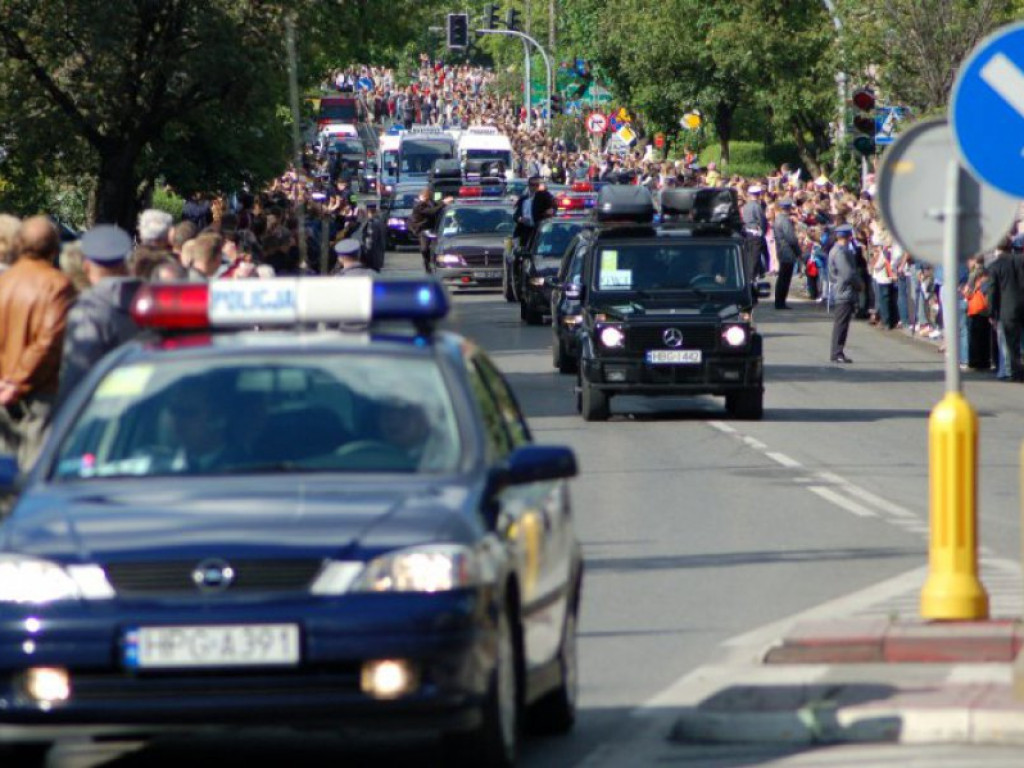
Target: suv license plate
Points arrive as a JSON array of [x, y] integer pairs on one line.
[[491, 274], [231, 645], [673, 356]]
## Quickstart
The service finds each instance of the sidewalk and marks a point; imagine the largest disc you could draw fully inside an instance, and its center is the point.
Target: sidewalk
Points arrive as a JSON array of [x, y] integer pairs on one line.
[[868, 671]]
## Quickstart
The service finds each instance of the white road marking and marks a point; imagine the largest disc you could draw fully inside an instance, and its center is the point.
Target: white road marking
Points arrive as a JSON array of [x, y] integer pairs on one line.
[[1005, 78], [754, 443], [864, 495], [721, 426], [841, 501], [783, 459]]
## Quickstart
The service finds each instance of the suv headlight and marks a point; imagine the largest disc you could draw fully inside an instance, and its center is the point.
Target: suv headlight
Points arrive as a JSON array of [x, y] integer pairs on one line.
[[34, 581], [451, 260], [612, 336], [432, 568], [735, 335]]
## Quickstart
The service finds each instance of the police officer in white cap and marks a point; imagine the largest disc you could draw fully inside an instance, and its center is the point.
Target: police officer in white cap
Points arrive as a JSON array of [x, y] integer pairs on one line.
[[99, 321], [350, 262]]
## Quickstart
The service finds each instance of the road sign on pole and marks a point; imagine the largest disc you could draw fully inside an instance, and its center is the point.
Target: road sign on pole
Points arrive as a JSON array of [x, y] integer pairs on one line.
[[987, 110], [597, 122], [912, 181]]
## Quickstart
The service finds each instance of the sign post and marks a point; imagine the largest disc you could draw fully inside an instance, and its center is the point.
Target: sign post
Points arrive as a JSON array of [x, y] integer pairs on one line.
[[940, 213]]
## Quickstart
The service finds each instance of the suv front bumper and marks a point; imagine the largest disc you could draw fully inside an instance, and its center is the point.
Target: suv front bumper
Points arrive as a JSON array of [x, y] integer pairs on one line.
[[717, 374]]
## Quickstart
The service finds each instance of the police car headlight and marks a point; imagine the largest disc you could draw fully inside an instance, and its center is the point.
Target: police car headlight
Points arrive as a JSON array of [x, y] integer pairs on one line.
[[612, 336], [29, 580], [436, 568], [735, 335], [396, 223], [451, 260]]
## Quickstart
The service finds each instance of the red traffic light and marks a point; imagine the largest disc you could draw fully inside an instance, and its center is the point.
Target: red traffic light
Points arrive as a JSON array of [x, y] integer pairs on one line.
[[864, 99]]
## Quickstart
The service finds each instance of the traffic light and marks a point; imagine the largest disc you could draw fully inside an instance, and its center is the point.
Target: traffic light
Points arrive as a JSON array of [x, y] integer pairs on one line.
[[864, 121], [458, 30], [490, 16], [512, 19]]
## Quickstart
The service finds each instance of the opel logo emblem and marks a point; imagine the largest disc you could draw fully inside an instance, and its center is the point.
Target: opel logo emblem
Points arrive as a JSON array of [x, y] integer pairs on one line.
[[213, 576], [672, 337]]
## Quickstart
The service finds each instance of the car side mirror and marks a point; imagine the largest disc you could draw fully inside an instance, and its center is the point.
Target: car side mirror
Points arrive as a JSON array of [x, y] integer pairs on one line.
[[9, 475], [533, 464], [764, 289]]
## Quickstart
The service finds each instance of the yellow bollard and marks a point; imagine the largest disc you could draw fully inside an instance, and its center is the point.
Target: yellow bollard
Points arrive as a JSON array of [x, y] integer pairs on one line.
[[953, 590]]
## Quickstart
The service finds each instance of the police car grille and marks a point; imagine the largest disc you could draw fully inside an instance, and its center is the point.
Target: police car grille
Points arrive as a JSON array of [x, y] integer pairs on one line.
[[175, 577], [641, 339]]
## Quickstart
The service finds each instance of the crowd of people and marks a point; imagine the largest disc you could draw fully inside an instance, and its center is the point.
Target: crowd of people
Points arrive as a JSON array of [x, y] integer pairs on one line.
[[62, 308]]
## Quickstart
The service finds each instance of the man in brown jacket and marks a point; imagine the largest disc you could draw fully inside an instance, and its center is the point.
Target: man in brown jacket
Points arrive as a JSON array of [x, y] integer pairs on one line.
[[35, 298]]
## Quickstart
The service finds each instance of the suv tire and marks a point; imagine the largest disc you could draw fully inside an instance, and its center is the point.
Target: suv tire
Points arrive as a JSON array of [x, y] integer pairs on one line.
[[747, 405], [559, 357], [507, 289], [593, 402]]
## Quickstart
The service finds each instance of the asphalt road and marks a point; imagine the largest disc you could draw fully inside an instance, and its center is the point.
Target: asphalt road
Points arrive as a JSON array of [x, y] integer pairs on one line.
[[696, 528]]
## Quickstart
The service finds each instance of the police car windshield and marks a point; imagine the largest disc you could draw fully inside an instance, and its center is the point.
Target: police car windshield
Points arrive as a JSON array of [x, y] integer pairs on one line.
[[477, 221], [667, 266], [255, 414], [554, 238]]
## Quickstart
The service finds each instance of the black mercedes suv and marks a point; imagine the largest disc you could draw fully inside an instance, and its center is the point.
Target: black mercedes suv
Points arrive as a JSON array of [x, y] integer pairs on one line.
[[667, 309]]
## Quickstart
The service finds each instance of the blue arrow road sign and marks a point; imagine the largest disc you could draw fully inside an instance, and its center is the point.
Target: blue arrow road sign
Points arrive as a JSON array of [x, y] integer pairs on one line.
[[987, 110]]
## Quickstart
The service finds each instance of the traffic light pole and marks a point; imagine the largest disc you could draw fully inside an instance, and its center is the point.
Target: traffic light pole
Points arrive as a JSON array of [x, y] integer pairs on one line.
[[528, 85], [547, 61]]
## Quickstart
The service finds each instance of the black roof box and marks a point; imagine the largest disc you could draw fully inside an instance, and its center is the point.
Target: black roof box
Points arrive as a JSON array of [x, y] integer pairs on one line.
[[624, 204], [446, 168], [717, 206]]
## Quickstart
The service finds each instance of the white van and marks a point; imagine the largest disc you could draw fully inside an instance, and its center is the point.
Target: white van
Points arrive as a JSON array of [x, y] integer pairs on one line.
[[485, 142]]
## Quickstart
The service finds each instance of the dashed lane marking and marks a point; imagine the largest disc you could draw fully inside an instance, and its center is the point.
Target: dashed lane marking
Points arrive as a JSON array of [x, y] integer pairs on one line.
[[783, 459], [841, 501]]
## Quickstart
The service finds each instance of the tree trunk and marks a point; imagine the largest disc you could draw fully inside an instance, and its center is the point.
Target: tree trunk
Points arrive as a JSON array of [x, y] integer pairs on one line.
[[723, 126], [806, 156], [115, 200]]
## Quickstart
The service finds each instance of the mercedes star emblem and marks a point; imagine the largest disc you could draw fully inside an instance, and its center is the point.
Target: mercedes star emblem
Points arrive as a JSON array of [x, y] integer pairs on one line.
[[672, 337]]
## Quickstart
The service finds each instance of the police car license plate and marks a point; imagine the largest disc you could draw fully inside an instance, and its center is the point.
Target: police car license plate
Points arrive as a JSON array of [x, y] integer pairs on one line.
[[673, 356], [212, 646]]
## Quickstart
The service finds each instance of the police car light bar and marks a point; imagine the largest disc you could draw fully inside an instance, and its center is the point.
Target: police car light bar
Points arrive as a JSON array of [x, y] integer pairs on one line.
[[478, 191], [286, 302]]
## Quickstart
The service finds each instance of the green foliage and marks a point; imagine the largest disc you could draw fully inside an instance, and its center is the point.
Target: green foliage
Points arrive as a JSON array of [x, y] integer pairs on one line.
[[752, 159], [164, 199], [912, 49]]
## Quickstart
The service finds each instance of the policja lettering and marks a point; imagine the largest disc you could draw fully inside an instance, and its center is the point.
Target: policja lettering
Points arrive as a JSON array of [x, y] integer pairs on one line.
[[259, 300]]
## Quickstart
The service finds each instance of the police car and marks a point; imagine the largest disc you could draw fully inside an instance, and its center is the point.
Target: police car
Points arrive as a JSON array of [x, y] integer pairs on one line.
[[667, 310], [340, 520]]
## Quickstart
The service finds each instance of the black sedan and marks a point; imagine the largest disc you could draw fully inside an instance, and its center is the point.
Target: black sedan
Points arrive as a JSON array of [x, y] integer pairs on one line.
[[540, 264], [399, 208], [291, 527], [471, 240]]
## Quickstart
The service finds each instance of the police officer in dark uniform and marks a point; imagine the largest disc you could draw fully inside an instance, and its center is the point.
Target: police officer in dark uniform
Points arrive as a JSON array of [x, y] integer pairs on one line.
[[99, 320], [349, 252]]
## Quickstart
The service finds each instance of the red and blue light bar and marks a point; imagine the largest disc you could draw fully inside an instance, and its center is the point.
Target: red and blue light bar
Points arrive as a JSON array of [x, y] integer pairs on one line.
[[481, 191], [286, 301]]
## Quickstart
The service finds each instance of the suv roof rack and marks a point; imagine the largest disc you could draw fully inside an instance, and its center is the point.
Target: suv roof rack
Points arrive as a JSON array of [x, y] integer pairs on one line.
[[624, 205], [711, 209]]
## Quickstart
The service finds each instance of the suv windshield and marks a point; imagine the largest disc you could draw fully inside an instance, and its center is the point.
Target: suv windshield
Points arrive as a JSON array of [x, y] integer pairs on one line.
[[346, 413], [668, 266], [474, 221]]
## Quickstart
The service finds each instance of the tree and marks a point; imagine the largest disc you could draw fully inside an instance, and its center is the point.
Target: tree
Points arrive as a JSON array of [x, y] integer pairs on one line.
[[913, 49], [123, 93]]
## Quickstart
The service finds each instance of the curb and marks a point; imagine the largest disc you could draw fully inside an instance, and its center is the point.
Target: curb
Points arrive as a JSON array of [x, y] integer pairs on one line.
[[878, 640]]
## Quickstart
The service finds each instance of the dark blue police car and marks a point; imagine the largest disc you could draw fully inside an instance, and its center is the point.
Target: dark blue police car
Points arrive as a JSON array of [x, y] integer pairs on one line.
[[304, 525]]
